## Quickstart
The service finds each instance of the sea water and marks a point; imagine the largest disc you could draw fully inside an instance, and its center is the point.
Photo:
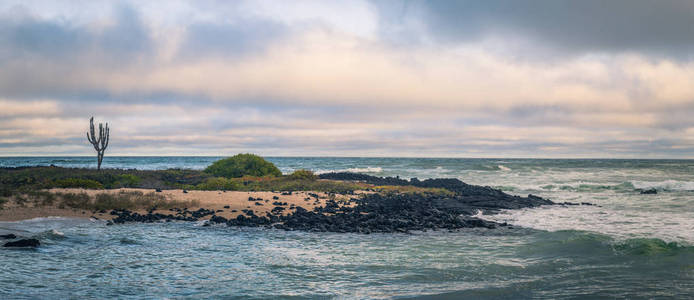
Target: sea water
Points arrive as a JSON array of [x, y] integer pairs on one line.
[[627, 246]]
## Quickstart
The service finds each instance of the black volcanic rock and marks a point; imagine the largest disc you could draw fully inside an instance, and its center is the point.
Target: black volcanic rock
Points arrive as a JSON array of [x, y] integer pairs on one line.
[[376, 212], [651, 191], [8, 236], [23, 243]]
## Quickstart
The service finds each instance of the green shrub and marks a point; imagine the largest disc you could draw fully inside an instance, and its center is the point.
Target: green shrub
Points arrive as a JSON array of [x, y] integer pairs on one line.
[[3, 200], [243, 165], [303, 174], [219, 183], [128, 180], [78, 183]]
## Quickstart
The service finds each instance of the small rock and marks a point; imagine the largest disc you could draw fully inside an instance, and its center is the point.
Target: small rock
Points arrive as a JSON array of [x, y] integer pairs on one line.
[[651, 191], [158, 190], [8, 236], [23, 243]]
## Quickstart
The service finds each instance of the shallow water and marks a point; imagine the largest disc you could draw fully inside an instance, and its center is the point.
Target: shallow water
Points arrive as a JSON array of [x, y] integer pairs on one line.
[[86, 259], [631, 246]]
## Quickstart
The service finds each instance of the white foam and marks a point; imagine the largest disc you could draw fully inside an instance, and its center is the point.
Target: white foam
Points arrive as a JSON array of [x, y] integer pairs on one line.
[[503, 168], [668, 185], [366, 170], [620, 224], [353, 170]]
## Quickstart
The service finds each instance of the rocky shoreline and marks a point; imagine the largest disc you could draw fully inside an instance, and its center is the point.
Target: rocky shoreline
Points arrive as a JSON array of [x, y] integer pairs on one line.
[[370, 213]]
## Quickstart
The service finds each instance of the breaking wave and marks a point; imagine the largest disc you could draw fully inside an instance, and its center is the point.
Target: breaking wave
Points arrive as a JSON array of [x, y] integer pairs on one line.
[[666, 185], [354, 170]]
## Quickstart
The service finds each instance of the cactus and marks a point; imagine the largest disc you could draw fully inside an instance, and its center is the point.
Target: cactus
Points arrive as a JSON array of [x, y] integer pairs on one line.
[[99, 143]]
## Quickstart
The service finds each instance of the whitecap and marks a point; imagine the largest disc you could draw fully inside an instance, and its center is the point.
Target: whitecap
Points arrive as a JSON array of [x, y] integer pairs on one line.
[[353, 170], [622, 225], [666, 185]]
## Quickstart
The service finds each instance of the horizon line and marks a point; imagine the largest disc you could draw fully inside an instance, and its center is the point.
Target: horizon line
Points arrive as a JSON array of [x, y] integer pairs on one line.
[[327, 156]]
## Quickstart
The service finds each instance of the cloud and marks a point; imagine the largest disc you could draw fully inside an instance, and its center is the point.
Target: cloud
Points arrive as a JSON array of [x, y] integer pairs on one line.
[[239, 38], [119, 38], [569, 27], [13, 108], [245, 78]]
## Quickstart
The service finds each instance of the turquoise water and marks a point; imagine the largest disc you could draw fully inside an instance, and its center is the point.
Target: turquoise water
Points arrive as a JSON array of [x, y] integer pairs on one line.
[[631, 246]]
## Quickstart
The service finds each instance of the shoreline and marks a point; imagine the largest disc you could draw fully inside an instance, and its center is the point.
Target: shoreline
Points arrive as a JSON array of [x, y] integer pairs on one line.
[[334, 202], [227, 204]]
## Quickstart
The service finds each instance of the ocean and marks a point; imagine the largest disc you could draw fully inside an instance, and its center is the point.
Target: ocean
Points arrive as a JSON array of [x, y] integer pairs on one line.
[[627, 246]]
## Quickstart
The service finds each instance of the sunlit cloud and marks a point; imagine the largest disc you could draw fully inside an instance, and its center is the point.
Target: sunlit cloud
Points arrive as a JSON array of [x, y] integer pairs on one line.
[[350, 78]]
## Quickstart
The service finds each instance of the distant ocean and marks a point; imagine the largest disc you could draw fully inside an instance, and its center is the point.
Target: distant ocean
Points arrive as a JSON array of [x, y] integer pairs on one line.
[[629, 246]]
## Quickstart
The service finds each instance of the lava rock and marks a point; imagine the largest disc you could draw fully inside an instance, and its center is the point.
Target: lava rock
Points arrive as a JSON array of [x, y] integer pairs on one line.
[[218, 219], [651, 191], [23, 243], [8, 236]]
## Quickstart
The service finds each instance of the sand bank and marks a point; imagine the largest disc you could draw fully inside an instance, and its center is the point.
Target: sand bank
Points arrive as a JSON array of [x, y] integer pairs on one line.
[[228, 204]]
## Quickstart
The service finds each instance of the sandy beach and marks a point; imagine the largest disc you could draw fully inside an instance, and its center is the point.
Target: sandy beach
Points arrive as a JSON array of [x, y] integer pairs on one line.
[[228, 204]]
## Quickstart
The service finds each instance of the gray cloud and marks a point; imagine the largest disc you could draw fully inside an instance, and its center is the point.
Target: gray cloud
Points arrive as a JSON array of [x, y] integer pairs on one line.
[[663, 27], [241, 37], [26, 37]]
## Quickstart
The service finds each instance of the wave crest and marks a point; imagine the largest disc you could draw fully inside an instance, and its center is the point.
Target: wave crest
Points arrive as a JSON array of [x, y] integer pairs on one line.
[[354, 170], [665, 185]]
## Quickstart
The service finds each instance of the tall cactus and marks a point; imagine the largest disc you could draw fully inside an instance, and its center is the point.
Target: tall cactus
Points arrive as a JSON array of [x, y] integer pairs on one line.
[[100, 143]]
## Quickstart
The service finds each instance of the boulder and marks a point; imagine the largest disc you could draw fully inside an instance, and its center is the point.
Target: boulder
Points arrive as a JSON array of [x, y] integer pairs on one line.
[[23, 243], [651, 191]]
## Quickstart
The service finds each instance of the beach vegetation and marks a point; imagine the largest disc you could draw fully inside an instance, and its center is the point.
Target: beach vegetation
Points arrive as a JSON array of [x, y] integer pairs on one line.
[[21, 199], [127, 180], [3, 200], [131, 200], [409, 189], [303, 174], [73, 200], [78, 183], [243, 165], [32, 181], [219, 183]]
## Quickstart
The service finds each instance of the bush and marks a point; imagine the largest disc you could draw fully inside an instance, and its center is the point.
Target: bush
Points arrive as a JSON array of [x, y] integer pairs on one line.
[[121, 200], [243, 165], [73, 200], [303, 174], [78, 183], [219, 183], [127, 180]]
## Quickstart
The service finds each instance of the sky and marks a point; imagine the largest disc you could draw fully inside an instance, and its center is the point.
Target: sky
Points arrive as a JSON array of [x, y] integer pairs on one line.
[[537, 78]]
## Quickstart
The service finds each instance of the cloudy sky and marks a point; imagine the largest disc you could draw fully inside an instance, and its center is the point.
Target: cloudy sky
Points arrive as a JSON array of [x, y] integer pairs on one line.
[[543, 78]]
